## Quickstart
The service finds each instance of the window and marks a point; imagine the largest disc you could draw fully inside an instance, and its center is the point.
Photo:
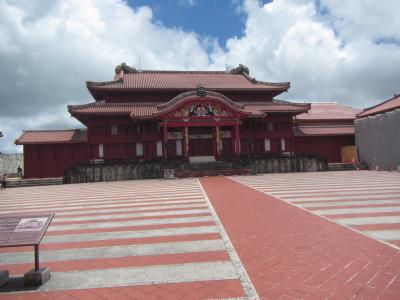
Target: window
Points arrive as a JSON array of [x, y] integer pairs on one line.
[[40, 154], [139, 149], [267, 145], [178, 147], [283, 145], [138, 128], [101, 150], [270, 126], [55, 154], [159, 148], [114, 129]]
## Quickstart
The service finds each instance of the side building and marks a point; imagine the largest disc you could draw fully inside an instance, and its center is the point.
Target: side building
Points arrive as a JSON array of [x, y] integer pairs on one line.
[[170, 115], [377, 131], [325, 130]]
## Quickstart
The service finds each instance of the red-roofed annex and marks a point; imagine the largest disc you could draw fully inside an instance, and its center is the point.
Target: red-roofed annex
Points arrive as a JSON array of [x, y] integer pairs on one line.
[[150, 115]]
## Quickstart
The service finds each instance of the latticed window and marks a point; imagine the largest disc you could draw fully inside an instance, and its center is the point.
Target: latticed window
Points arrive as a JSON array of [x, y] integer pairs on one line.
[[114, 130]]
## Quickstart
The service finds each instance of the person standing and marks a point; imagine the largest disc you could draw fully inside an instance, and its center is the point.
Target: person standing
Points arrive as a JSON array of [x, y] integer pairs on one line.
[[19, 171], [3, 182]]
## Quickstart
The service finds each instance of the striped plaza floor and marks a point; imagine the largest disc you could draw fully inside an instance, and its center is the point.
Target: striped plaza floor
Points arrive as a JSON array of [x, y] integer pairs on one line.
[[366, 201], [153, 239]]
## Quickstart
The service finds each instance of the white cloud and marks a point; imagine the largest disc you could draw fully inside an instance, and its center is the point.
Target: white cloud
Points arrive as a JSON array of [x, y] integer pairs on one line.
[[327, 53], [346, 51], [48, 49]]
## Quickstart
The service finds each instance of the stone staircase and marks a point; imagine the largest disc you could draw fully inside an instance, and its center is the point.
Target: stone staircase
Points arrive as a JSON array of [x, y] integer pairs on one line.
[[215, 168], [33, 182], [346, 167]]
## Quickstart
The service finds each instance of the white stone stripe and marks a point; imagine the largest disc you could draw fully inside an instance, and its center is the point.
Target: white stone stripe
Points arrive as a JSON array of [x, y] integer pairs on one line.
[[386, 235], [115, 251], [301, 189], [129, 223], [368, 220], [340, 192], [111, 201], [55, 200], [132, 215], [130, 234], [105, 201], [348, 203], [35, 192], [328, 198], [93, 193], [284, 184], [126, 207], [361, 210], [205, 271]]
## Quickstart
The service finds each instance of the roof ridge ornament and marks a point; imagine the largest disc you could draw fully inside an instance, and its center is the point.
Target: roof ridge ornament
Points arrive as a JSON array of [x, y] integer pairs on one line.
[[201, 90]]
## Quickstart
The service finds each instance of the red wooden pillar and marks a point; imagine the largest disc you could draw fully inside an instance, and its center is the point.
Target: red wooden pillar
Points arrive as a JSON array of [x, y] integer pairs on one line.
[[237, 139], [217, 139], [165, 140], [186, 142]]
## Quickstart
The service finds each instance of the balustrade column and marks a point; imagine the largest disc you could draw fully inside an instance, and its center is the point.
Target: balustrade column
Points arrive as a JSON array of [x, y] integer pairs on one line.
[[186, 142], [217, 139], [237, 140], [165, 140]]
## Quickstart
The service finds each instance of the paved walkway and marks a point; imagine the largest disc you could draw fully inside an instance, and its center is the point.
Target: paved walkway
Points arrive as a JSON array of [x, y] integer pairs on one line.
[[290, 253], [179, 239]]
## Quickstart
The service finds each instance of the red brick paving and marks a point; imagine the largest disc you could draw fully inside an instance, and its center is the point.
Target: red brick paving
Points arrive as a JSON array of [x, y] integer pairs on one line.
[[290, 253]]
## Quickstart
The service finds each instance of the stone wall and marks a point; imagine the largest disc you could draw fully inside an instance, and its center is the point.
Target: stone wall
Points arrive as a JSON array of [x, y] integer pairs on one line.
[[287, 164], [10, 162], [148, 170], [113, 172]]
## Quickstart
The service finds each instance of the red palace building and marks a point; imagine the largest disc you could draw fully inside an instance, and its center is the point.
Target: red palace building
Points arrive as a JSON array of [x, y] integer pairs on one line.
[[170, 115]]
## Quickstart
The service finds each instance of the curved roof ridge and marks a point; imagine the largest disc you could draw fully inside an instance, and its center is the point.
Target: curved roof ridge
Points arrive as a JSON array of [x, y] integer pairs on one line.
[[101, 83], [183, 96], [53, 130]]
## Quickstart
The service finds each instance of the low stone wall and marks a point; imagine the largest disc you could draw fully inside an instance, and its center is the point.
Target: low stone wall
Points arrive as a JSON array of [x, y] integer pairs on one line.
[[288, 164], [147, 170], [113, 172]]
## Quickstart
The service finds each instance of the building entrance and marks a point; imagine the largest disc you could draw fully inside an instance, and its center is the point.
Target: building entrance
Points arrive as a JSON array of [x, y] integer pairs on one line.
[[201, 142]]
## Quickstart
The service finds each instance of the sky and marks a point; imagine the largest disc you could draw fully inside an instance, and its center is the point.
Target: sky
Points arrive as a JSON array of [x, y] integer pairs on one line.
[[344, 51]]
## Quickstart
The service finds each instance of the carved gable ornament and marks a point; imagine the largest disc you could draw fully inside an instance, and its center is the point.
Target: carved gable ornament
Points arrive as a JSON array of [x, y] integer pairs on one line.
[[202, 110], [201, 91]]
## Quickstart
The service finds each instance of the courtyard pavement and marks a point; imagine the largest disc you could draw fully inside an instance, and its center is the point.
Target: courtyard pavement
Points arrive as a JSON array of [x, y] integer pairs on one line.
[[330, 235]]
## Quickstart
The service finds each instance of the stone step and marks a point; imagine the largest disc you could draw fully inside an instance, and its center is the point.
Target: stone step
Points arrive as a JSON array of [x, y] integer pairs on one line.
[[203, 173], [345, 167], [201, 159], [34, 182]]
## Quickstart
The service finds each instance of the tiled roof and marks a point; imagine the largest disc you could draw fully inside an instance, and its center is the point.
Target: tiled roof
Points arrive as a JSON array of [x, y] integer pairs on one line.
[[148, 110], [52, 137], [187, 80], [275, 106], [324, 130], [329, 111], [102, 108], [388, 105]]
